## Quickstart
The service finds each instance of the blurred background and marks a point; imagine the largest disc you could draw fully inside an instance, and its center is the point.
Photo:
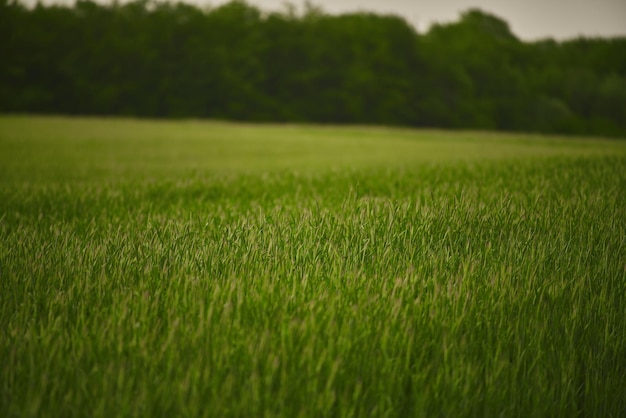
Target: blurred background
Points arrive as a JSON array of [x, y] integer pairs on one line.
[[550, 67]]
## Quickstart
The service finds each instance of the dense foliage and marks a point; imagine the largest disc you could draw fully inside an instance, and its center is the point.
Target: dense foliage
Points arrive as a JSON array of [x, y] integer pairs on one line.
[[237, 62]]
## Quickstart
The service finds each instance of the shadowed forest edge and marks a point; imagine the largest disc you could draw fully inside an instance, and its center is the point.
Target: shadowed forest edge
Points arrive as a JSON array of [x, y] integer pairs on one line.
[[237, 62]]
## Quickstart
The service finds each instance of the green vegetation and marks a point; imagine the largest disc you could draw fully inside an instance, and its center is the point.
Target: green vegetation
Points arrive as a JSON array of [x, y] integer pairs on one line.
[[236, 62], [212, 269]]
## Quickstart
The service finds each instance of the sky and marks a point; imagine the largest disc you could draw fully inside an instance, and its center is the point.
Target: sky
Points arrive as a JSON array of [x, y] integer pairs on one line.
[[528, 19]]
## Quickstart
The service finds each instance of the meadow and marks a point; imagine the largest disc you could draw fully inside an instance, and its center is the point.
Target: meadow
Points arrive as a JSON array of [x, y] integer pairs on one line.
[[211, 269]]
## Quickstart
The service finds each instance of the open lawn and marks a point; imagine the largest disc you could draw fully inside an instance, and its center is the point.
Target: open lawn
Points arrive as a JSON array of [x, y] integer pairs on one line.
[[192, 268]]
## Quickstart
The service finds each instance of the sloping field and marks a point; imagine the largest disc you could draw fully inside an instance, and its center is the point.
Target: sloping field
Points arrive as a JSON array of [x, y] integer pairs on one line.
[[192, 268], [64, 149]]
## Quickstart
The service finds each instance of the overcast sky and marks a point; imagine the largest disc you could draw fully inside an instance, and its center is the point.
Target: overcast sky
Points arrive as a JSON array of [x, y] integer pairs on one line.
[[529, 19]]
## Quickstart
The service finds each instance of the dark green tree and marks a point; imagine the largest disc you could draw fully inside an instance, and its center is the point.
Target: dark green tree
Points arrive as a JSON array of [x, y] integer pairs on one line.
[[160, 59]]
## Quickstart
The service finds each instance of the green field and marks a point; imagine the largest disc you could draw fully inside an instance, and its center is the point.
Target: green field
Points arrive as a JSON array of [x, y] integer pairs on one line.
[[192, 268]]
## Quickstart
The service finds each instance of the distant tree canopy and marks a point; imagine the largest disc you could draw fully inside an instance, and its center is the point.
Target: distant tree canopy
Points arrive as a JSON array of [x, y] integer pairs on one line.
[[237, 62]]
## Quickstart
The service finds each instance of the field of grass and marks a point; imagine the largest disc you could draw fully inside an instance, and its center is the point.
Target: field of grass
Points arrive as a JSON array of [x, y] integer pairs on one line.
[[189, 268]]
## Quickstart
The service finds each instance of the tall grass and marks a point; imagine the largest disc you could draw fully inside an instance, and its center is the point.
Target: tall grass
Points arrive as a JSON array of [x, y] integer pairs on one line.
[[377, 286]]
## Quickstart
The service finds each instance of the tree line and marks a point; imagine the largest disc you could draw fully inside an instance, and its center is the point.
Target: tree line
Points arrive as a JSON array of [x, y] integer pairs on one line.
[[237, 62]]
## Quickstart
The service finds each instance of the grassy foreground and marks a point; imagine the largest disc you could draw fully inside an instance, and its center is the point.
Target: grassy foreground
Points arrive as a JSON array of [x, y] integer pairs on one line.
[[221, 270]]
